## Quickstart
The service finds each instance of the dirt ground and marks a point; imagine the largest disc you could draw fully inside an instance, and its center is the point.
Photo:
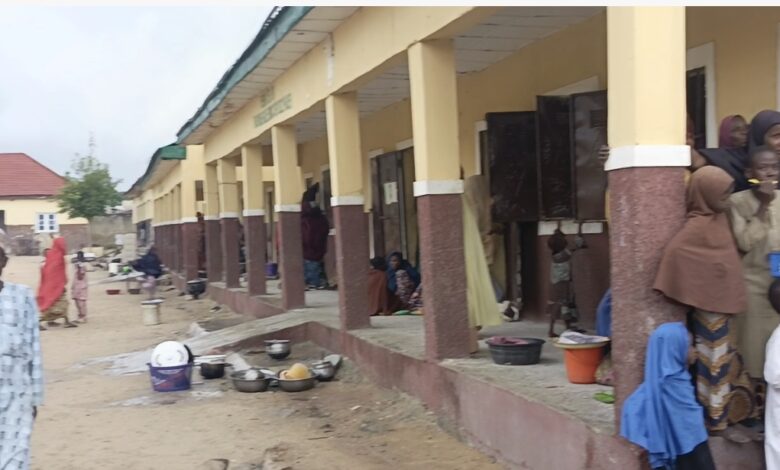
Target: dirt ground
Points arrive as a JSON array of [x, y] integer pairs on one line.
[[95, 420]]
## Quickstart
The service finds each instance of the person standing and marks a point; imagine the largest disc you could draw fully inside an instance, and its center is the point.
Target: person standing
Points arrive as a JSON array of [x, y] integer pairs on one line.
[[314, 235], [78, 291], [21, 376], [151, 266], [701, 268], [754, 217], [772, 377], [662, 415], [52, 292]]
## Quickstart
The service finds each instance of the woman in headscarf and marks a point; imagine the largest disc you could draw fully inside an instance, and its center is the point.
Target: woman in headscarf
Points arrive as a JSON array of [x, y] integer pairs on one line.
[[764, 130], [733, 132], [701, 268], [21, 380], [402, 278], [662, 415], [52, 293], [314, 235]]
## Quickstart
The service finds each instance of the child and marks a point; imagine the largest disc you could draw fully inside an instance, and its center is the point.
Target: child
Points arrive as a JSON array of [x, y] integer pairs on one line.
[[79, 290], [561, 304], [772, 377], [754, 215], [662, 415]]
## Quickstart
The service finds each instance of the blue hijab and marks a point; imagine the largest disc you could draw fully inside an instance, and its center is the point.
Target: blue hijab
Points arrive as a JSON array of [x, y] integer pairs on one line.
[[662, 415], [405, 266], [604, 315]]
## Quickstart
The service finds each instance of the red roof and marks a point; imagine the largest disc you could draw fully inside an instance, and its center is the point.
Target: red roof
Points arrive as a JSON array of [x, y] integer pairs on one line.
[[21, 175]]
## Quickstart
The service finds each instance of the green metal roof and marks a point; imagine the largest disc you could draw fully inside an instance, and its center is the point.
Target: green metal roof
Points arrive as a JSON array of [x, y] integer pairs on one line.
[[172, 151], [280, 21]]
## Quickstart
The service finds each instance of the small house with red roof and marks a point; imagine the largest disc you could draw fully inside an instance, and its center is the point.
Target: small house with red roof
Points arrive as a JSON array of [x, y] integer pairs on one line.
[[29, 213]]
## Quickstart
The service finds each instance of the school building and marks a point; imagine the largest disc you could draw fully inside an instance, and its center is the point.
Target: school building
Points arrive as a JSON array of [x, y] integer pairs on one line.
[[390, 108]]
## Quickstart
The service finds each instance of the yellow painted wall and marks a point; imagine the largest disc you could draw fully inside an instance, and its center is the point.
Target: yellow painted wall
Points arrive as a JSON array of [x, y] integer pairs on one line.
[[23, 211], [745, 55]]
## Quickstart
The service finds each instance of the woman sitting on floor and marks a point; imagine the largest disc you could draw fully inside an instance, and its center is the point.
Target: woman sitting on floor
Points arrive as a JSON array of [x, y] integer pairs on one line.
[[402, 278]]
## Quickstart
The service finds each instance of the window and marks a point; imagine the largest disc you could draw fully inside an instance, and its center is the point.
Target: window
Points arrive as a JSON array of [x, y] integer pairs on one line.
[[46, 223]]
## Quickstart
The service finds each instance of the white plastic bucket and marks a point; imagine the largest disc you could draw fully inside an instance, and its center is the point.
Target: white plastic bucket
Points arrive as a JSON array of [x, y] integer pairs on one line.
[[151, 313], [113, 268]]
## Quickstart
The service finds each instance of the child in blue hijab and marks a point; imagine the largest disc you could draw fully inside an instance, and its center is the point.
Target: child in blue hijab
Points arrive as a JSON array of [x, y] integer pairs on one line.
[[662, 415]]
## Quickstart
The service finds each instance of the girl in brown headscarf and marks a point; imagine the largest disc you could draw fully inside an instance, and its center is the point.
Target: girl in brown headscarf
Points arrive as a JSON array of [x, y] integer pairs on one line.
[[701, 268]]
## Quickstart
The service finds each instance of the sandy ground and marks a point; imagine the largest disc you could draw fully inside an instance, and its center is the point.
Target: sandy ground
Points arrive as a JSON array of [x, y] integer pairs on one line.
[[95, 420]]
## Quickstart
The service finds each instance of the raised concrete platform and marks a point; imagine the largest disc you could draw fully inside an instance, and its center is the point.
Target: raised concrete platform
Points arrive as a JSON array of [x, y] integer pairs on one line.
[[528, 417]]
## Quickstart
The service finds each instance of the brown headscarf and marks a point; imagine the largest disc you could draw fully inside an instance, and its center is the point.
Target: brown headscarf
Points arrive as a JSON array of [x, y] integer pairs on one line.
[[701, 266]]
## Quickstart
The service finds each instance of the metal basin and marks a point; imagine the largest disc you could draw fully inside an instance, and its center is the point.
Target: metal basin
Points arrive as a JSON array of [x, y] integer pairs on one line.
[[243, 384], [298, 385], [278, 348]]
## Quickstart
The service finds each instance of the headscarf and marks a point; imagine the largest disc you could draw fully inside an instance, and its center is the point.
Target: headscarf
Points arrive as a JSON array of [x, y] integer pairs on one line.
[[476, 193], [760, 125], [604, 315], [724, 132], [662, 415], [314, 228], [701, 266], [150, 264], [53, 276], [413, 274]]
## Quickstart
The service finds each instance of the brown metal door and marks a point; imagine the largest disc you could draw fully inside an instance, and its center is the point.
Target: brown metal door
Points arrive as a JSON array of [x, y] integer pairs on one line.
[[556, 173], [511, 143], [388, 196], [589, 132]]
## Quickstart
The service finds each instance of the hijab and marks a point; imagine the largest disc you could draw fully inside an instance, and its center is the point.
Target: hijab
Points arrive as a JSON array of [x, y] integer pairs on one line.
[[734, 160], [53, 276], [662, 415], [724, 132], [405, 266], [760, 125], [701, 266]]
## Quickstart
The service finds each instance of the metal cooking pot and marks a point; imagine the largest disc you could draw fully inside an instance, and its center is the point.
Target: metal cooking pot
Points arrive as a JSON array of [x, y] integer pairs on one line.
[[298, 385], [242, 384], [212, 370], [278, 348], [323, 370]]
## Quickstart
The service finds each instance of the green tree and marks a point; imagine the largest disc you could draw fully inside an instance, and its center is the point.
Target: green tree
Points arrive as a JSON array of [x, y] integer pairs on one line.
[[89, 189]]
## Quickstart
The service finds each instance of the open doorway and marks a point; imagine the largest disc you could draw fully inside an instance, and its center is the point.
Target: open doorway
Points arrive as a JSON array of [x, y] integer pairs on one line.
[[394, 209]]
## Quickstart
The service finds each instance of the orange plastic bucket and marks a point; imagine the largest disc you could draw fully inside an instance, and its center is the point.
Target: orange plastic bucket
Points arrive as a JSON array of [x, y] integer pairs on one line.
[[581, 364]]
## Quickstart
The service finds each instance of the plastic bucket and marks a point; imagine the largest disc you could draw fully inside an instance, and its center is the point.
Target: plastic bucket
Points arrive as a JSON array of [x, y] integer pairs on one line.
[[271, 269], [581, 364], [774, 264], [170, 379], [151, 313]]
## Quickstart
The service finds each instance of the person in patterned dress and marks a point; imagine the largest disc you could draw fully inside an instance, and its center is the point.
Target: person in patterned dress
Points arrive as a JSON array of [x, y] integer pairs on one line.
[[21, 378]]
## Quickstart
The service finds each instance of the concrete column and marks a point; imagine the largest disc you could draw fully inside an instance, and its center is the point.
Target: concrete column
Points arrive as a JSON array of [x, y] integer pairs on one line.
[[438, 189], [228, 216], [346, 167], [646, 66], [288, 193], [254, 218], [188, 230], [213, 230]]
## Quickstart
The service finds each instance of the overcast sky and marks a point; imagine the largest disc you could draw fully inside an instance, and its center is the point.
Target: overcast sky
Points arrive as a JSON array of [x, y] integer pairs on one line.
[[130, 75]]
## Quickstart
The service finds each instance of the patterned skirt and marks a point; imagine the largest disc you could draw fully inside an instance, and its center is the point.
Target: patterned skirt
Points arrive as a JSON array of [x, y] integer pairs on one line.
[[720, 376], [58, 310]]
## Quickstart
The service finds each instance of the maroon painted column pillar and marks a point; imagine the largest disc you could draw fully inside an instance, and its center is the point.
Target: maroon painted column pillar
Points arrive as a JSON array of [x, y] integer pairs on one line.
[[291, 259], [647, 210], [230, 252], [440, 221], [213, 248], [255, 239], [352, 254], [189, 248]]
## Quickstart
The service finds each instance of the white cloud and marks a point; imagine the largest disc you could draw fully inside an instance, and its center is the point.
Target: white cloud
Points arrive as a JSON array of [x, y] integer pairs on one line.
[[131, 75]]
